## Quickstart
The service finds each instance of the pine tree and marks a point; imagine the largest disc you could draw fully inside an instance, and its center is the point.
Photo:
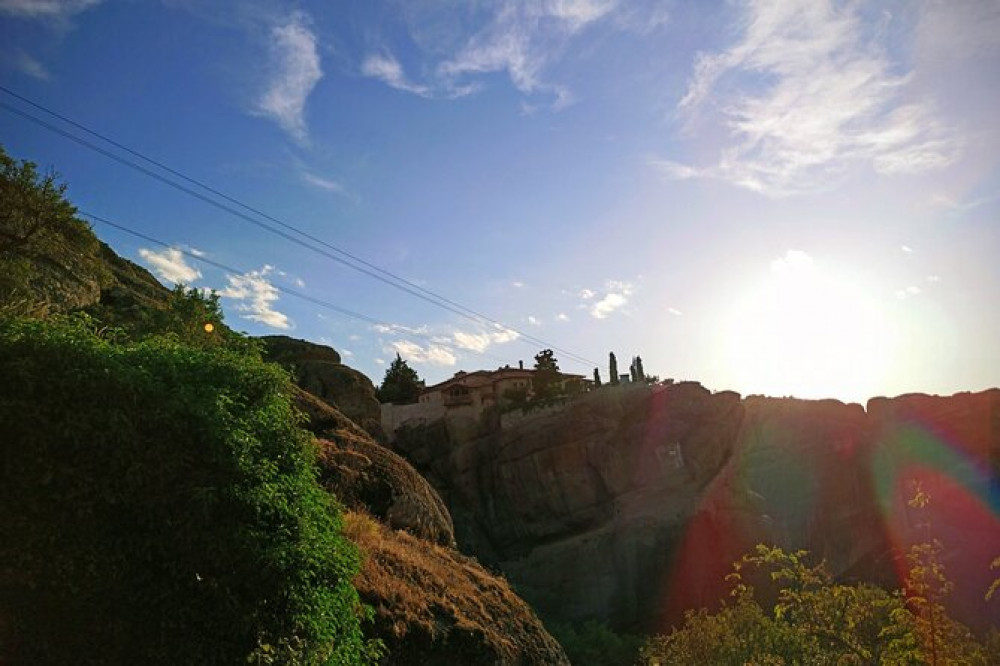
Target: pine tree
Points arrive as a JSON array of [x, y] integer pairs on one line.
[[546, 379], [401, 385]]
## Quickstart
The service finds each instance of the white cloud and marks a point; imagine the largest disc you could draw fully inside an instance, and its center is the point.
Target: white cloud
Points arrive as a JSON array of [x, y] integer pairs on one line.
[[480, 342], [517, 284], [387, 69], [346, 353], [379, 361], [792, 261], [353, 337], [615, 297], [322, 183], [906, 248], [171, 265], [908, 292], [400, 328], [534, 321], [45, 9], [521, 40], [933, 278], [675, 312], [256, 295], [562, 316], [295, 71], [431, 354], [587, 294], [830, 98]]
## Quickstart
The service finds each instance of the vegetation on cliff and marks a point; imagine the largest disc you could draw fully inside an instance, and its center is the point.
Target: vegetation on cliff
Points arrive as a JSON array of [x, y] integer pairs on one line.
[[802, 616], [161, 506]]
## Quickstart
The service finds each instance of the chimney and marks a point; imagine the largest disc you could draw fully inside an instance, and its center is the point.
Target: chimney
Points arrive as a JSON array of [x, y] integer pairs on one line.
[[520, 365]]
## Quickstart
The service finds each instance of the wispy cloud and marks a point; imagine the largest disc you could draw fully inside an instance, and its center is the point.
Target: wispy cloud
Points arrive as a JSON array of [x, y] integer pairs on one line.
[[675, 312], [45, 9], [534, 321], [562, 316], [325, 184], [386, 68], [805, 93], [294, 72], [255, 296], [614, 297], [521, 40], [171, 265], [431, 354], [908, 292], [30, 66]]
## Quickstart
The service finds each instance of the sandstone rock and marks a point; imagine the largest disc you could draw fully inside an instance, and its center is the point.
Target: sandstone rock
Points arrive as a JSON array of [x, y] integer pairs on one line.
[[318, 370], [366, 476], [630, 505]]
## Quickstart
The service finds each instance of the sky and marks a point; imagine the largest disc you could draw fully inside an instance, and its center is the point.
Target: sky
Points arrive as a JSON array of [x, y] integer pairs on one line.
[[788, 197]]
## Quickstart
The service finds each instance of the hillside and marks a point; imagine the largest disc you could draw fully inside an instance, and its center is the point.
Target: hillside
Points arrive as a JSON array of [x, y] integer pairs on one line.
[[52, 265]]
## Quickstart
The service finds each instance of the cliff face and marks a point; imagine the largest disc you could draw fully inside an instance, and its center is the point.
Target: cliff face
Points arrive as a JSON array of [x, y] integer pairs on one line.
[[630, 505], [318, 370]]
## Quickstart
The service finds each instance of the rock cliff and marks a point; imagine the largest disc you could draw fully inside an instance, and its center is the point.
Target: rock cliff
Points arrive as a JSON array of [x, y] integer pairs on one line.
[[318, 370], [630, 505]]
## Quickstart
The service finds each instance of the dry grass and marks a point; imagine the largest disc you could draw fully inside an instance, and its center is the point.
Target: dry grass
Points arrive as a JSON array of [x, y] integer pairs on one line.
[[430, 600]]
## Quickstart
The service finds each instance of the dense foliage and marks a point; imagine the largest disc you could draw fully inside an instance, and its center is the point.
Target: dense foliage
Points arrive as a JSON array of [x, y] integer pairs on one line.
[[818, 621], [160, 507], [401, 384]]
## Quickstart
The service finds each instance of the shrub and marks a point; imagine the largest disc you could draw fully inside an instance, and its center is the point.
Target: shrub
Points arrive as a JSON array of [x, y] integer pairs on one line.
[[160, 507]]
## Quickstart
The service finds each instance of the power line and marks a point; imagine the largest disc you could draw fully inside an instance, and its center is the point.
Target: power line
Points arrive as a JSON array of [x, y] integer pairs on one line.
[[285, 290], [366, 268]]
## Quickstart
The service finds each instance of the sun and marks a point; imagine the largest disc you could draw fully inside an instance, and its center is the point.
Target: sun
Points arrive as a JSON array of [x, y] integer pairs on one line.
[[808, 331]]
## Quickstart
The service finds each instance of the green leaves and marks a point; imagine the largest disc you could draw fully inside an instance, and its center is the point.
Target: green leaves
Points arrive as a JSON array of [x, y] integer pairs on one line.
[[161, 507]]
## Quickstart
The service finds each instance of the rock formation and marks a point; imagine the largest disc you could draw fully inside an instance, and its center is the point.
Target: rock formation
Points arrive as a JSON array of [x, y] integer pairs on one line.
[[630, 505], [318, 370]]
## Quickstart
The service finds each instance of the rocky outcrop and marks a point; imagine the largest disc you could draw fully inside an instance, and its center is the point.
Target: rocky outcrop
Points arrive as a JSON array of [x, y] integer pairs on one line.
[[630, 505], [318, 370], [368, 477], [434, 605], [584, 509]]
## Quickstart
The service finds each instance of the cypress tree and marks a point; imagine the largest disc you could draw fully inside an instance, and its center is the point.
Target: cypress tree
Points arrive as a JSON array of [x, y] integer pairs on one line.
[[613, 362], [597, 377]]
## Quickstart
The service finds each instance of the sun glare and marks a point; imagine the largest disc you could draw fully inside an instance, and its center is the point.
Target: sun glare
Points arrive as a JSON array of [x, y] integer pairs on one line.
[[807, 331]]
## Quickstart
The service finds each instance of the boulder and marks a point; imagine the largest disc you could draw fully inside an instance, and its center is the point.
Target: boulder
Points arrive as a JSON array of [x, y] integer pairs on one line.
[[435, 606]]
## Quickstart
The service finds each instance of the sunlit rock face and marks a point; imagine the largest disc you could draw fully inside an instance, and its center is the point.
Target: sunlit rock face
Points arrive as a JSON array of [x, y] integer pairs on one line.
[[631, 504]]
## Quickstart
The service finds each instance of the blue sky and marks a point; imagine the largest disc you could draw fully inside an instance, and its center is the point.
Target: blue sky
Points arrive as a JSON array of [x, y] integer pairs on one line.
[[791, 198]]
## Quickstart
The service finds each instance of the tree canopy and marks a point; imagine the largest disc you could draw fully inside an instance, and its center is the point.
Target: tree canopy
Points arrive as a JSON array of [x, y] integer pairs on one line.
[[546, 380], [401, 384]]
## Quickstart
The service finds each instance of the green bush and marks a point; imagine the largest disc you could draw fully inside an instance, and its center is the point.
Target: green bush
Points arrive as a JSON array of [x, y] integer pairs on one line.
[[159, 506]]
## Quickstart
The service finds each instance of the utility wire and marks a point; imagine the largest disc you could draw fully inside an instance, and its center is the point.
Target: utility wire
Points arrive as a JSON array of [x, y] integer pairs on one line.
[[365, 267], [285, 290]]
